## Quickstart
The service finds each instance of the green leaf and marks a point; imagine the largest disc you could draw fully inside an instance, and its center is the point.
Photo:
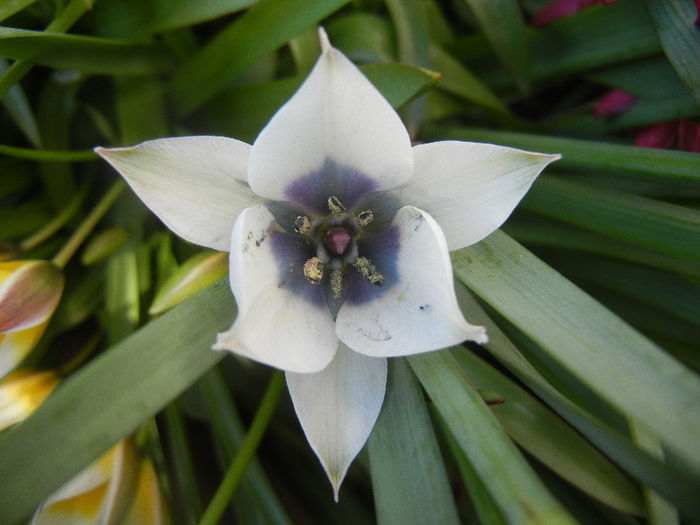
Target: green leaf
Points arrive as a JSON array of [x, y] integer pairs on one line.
[[18, 107], [242, 111], [10, 7], [363, 37], [84, 53], [673, 167], [596, 37], [511, 481], [249, 35], [413, 41], [459, 81], [544, 232], [545, 436], [680, 38], [408, 475], [659, 226], [140, 109], [131, 18], [502, 23], [255, 501], [668, 480], [484, 505], [109, 398], [577, 333], [641, 78]]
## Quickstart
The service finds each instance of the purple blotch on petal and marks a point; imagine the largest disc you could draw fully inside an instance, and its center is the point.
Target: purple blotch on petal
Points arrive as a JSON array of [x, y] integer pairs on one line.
[[291, 252], [381, 249], [311, 191]]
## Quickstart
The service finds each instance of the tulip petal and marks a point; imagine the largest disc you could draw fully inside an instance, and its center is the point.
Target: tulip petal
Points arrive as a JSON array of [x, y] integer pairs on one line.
[[419, 311], [196, 185], [337, 408], [21, 392], [29, 295], [470, 188], [15, 346], [336, 127], [283, 320]]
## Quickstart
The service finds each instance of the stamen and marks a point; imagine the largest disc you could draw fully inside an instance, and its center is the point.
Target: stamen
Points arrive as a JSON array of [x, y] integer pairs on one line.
[[335, 205], [313, 270], [368, 271], [365, 217], [302, 224], [337, 283]]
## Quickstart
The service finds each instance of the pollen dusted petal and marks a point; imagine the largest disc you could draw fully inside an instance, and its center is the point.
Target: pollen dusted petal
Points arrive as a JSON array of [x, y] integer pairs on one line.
[[283, 320], [336, 115], [419, 312], [470, 188], [337, 408]]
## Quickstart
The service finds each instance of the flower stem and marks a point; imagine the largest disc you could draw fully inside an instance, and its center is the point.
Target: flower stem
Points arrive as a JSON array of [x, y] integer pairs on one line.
[[102, 207], [56, 223], [233, 477]]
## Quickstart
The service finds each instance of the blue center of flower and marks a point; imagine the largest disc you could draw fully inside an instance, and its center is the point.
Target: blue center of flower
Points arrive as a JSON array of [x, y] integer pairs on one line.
[[338, 258]]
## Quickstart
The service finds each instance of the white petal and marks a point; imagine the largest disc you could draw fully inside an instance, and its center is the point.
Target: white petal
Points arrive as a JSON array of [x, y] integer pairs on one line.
[[416, 309], [470, 188], [337, 408], [283, 320], [337, 116], [196, 185]]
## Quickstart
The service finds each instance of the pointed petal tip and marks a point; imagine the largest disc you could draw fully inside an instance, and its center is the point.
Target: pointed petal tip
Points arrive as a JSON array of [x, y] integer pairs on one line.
[[479, 335], [323, 39]]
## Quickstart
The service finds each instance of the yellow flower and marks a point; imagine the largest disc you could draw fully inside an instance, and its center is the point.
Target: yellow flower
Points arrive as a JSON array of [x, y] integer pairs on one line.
[[21, 392], [119, 487], [29, 294]]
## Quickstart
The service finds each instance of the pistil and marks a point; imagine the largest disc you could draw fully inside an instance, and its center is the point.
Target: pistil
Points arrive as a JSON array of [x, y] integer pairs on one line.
[[337, 240]]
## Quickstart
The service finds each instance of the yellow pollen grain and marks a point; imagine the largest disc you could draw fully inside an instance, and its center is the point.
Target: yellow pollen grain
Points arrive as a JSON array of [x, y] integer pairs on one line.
[[337, 284], [313, 270], [302, 224], [368, 271], [335, 206]]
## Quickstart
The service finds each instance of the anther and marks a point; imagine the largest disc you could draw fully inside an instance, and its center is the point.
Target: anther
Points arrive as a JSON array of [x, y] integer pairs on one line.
[[368, 271], [365, 217], [313, 270], [337, 284], [335, 205], [302, 224]]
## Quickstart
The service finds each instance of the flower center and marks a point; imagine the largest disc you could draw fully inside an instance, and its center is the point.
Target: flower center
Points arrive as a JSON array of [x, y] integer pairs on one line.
[[334, 237], [337, 240]]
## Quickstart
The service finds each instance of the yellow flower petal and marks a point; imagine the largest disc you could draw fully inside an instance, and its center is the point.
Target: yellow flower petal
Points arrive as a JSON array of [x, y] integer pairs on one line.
[[21, 392], [15, 346]]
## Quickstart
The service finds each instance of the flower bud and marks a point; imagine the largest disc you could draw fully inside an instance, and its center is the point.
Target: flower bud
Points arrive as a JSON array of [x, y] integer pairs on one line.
[[104, 245], [119, 487], [22, 392], [29, 294], [196, 274]]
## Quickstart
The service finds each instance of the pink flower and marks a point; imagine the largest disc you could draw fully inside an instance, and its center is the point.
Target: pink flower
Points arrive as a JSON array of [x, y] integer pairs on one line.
[[563, 8], [614, 102]]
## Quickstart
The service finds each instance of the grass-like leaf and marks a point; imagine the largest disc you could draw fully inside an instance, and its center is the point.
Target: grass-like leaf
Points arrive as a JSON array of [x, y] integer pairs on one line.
[[589, 342], [514, 486], [241, 44], [680, 39], [109, 399], [84, 53], [408, 476]]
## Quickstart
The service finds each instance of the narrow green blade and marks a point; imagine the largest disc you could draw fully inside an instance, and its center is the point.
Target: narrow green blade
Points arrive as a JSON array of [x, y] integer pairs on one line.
[[408, 475], [109, 399]]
